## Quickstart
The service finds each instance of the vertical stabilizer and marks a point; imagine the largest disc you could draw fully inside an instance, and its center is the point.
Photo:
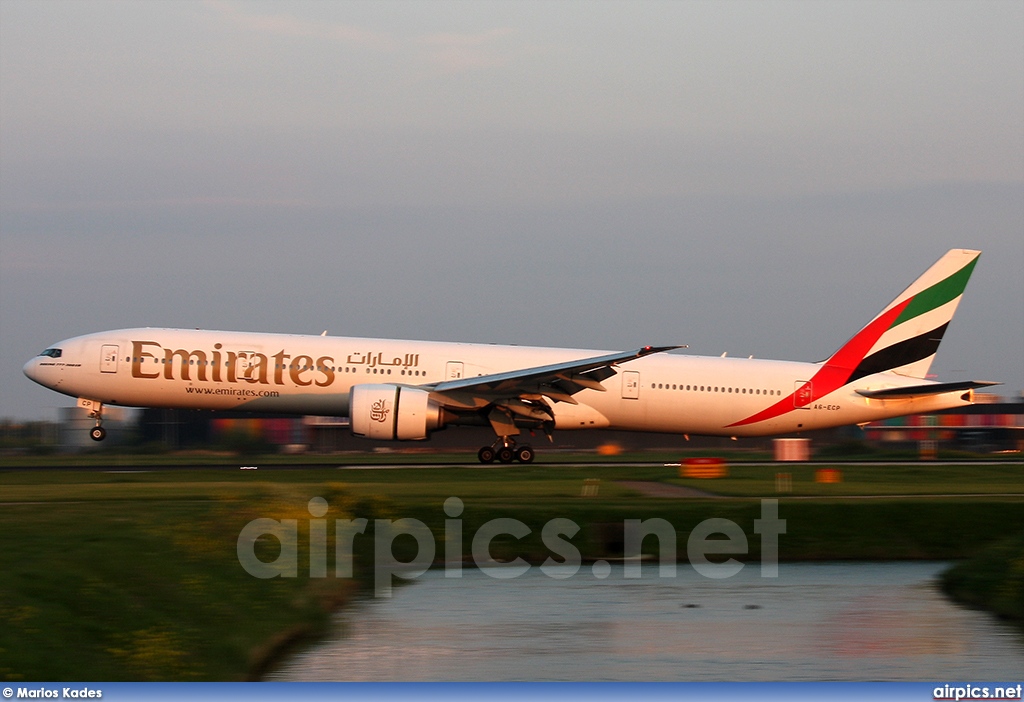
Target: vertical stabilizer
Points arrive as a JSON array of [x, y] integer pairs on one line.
[[904, 337]]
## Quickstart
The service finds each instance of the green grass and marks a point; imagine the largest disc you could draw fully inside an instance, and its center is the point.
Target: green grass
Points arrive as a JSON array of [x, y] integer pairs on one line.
[[993, 579], [134, 576], [135, 591], [946, 479]]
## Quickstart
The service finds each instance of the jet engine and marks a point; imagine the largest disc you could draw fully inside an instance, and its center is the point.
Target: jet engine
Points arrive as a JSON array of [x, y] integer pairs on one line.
[[391, 412]]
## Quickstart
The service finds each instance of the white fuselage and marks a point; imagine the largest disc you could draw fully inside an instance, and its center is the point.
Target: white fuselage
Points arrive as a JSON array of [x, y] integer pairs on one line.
[[312, 375]]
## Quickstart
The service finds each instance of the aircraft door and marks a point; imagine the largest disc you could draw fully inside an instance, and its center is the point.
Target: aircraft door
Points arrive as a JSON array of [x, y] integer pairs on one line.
[[246, 364], [108, 358], [630, 385], [453, 370]]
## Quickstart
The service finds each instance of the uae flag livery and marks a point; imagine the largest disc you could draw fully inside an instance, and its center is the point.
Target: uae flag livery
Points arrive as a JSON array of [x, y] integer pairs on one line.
[[902, 339]]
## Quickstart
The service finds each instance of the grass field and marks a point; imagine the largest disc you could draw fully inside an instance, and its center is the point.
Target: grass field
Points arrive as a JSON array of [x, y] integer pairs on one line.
[[135, 576], [871, 479]]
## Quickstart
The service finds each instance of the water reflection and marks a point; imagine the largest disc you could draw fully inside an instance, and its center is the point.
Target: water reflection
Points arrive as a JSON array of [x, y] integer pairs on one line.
[[831, 621]]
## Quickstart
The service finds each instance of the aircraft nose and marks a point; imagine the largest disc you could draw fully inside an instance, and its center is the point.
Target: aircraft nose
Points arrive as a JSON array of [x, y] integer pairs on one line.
[[31, 369], [34, 371]]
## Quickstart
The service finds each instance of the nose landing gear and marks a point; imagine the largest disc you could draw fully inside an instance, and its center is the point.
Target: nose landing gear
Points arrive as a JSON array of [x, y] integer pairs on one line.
[[97, 433]]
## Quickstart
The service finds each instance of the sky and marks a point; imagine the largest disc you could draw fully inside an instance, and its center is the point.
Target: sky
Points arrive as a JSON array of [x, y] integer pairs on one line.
[[757, 178]]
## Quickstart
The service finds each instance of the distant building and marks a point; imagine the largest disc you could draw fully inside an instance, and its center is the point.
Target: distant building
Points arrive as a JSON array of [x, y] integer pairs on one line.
[[985, 427]]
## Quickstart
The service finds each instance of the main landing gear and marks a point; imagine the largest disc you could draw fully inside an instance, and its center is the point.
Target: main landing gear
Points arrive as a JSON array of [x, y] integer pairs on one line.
[[505, 451]]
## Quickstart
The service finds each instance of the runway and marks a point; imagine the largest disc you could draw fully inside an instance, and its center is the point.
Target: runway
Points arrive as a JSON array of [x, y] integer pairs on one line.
[[658, 464], [115, 467]]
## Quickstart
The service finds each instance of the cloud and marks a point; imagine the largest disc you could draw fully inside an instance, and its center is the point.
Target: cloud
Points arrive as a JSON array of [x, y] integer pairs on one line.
[[451, 51], [462, 52], [291, 26]]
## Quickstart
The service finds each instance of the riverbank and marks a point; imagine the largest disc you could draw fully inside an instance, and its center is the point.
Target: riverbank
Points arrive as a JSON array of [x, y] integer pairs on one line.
[[141, 572], [993, 579], [145, 590]]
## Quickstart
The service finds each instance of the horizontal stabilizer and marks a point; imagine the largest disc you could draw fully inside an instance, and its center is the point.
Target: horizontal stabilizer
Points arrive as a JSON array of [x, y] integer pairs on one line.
[[923, 390]]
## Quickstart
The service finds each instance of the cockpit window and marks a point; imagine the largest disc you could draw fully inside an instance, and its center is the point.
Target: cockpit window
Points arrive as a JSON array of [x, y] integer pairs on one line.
[[52, 353]]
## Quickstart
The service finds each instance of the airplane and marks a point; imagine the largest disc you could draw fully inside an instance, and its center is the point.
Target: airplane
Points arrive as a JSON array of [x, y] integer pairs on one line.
[[405, 390]]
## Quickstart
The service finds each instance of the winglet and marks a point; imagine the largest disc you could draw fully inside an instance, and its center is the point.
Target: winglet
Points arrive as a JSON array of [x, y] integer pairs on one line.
[[648, 350]]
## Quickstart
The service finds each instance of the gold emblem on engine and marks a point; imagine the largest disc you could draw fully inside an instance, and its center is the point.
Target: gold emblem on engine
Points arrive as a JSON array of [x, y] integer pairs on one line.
[[378, 411]]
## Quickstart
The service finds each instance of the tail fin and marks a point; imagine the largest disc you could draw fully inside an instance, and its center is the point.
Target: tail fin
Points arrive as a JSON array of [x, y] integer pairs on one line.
[[904, 337]]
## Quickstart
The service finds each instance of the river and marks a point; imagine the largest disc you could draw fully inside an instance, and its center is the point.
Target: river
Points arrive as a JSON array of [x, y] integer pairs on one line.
[[816, 621]]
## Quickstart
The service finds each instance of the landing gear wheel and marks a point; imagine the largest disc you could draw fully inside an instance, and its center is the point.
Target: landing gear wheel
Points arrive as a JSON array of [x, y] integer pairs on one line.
[[97, 433], [506, 454], [486, 455], [524, 454]]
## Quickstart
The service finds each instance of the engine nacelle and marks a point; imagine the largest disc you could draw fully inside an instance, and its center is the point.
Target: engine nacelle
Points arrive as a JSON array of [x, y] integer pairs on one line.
[[393, 412]]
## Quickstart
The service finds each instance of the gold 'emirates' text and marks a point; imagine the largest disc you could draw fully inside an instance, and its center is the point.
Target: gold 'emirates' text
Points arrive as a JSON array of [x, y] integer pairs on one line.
[[221, 366]]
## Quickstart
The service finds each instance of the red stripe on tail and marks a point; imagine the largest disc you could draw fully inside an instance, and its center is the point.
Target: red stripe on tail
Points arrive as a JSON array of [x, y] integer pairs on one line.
[[836, 371]]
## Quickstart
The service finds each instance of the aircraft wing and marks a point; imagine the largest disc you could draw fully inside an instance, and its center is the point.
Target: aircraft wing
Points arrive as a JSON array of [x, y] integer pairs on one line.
[[524, 393], [564, 379], [923, 390]]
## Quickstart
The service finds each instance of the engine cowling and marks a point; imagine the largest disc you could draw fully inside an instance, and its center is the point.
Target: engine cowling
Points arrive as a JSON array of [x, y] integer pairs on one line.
[[393, 412]]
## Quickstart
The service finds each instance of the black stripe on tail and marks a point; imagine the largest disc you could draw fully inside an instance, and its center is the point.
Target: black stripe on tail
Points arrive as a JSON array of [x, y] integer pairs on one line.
[[900, 354]]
